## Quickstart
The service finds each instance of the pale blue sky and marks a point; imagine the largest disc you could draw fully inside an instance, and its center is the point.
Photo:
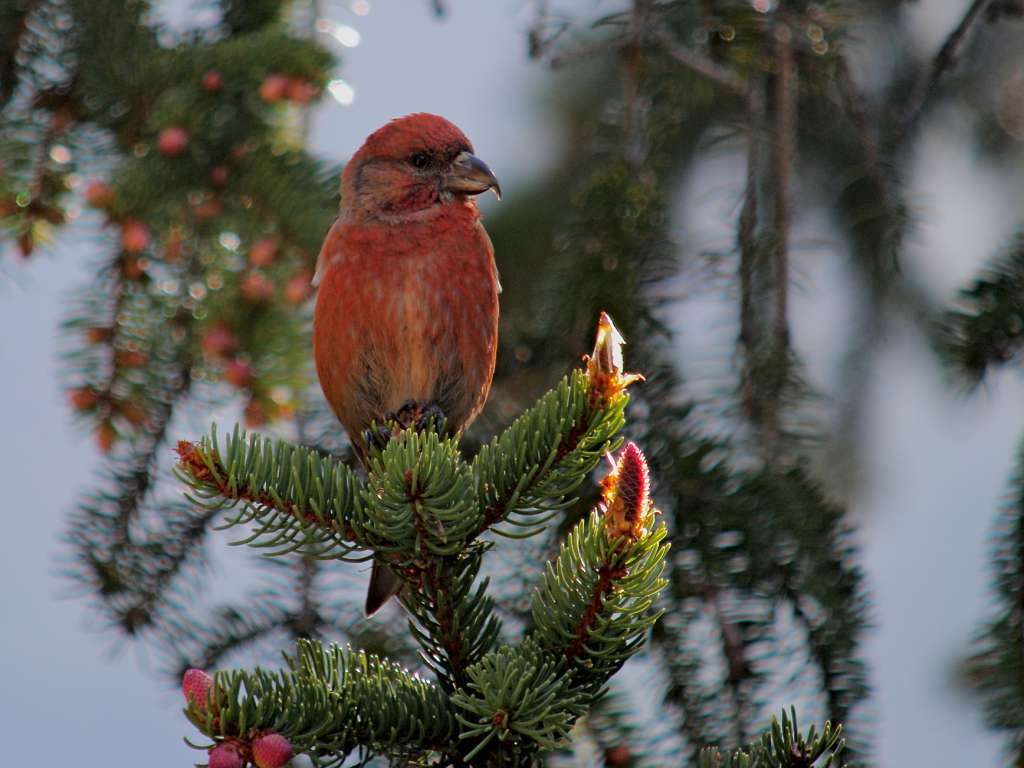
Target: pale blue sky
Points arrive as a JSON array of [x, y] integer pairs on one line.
[[935, 471]]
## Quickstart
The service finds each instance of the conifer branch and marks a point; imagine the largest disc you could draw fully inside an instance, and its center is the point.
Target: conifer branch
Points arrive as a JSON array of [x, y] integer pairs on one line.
[[15, 27], [945, 60], [297, 499], [532, 468], [719, 73], [987, 329], [331, 702], [785, 93], [783, 746], [995, 668]]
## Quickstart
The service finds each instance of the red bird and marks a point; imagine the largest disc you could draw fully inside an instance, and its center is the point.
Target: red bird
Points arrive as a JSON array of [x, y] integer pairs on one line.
[[406, 323]]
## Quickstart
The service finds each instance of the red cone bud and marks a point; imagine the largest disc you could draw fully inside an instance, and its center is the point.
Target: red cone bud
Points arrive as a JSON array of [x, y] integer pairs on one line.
[[207, 209], [172, 141], [263, 252], [105, 436], [97, 335], [218, 341], [238, 374], [617, 756], [196, 686], [271, 750], [83, 399], [226, 755], [255, 415], [298, 288], [300, 91], [99, 195], [219, 176], [212, 81], [274, 88], [134, 235], [130, 358], [627, 495], [257, 288], [132, 412]]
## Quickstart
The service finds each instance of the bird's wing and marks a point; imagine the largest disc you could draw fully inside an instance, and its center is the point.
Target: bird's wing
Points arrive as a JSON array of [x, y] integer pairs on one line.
[[330, 249]]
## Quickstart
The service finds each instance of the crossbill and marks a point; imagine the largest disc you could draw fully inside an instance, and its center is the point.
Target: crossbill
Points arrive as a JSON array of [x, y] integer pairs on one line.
[[406, 322]]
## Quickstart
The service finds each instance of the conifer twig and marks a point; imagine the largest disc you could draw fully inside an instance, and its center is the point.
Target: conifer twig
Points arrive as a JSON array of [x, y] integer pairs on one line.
[[705, 66], [945, 60]]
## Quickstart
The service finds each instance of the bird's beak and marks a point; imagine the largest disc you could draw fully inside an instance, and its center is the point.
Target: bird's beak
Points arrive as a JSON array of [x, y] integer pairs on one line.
[[471, 176]]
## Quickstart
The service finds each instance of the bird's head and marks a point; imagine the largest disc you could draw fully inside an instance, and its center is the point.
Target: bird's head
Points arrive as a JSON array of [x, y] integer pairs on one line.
[[410, 166]]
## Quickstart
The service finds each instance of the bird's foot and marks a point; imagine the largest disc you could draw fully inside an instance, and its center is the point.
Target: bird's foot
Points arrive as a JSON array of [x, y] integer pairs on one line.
[[411, 415], [418, 416]]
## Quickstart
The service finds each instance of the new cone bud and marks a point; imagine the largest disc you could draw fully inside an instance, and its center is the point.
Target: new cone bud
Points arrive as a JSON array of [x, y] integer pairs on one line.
[[271, 750], [212, 81], [196, 686], [134, 235], [99, 195], [172, 141], [226, 755], [626, 496], [274, 88], [605, 365]]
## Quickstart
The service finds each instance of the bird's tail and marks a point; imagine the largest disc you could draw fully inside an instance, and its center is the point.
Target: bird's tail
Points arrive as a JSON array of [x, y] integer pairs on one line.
[[384, 585]]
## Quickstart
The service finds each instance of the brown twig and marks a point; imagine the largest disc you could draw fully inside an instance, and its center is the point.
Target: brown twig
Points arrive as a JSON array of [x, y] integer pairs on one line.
[[721, 74], [855, 105], [607, 576], [945, 60], [785, 119], [195, 465], [748, 242], [734, 651]]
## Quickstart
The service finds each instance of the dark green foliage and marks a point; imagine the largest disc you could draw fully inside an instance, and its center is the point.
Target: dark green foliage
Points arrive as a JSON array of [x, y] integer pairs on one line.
[[988, 329], [520, 696], [995, 668], [784, 746], [762, 561], [330, 702], [544, 455], [604, 587], [297, 498], [420, 510]]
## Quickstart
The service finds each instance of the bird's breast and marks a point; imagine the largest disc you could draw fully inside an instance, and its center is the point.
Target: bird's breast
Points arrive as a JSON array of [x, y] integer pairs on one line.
[[407, 313]]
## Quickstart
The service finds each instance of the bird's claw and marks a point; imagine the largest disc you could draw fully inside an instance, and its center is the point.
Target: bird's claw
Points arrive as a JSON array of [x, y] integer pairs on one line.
[[411, 415], [418, 416]]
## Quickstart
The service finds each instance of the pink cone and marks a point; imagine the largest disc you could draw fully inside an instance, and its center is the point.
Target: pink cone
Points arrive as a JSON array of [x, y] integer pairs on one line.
[[225, 755], [196, 686], [271, 750]]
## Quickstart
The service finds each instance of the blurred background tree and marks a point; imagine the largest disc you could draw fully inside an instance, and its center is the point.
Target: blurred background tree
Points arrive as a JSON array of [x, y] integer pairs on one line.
[[190, 146]]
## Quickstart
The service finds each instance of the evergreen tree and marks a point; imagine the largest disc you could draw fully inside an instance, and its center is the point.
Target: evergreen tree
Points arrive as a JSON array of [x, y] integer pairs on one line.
[[190, 148]]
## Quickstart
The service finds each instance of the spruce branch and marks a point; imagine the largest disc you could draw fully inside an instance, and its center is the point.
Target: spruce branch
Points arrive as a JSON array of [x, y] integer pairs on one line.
[[995, 668], [945, 60], [783, 746], [987, 329], [418, 500], [331, 701], [705, 66], [297, 499], [531, 469], [520, 697], [592, 606]]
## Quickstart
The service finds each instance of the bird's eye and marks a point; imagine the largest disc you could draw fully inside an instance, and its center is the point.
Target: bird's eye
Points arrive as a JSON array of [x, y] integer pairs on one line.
[[420, 160]]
